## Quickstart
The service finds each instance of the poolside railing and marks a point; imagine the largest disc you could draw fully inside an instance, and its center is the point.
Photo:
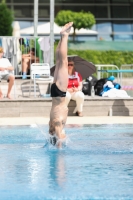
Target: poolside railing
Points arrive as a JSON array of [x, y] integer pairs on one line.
[[124, 75], [102, 73], [15, 47]]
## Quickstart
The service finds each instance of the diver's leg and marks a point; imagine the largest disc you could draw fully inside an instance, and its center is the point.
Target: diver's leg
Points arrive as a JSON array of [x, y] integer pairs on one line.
[[57, 58], [61, 59], [67, 28]]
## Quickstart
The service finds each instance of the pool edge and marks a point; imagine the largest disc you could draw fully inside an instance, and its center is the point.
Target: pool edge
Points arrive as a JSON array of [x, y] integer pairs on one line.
[[70, 120]]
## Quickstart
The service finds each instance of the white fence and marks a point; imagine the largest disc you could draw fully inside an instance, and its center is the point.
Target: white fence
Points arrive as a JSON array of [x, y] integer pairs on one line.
[[16, 47]]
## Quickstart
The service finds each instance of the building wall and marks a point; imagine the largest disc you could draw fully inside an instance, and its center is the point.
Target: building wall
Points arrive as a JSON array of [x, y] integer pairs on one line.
[[114, 18]]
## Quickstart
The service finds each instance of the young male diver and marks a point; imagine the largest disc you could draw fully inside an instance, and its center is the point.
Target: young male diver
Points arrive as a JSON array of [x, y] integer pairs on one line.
[[59, 110]]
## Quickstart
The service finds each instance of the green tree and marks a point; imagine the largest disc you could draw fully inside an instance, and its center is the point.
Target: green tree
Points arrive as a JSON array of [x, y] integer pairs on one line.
[[80, 19], [6, 19]]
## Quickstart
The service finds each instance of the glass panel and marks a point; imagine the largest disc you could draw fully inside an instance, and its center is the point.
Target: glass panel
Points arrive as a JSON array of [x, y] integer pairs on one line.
[[23, 11], [57, 9], [102, 37], [9, 6], [104, 27], [93, 27], [79, 8], [86, 38], [101, 11], [104, 31], [120, 12], [47, 1], [122, 27], [72, 1], [120, 1], [131, 11], [101, 1], [25, 24], [91, 9], [123, 37], [78, 1], [43, 11], [24, 1]]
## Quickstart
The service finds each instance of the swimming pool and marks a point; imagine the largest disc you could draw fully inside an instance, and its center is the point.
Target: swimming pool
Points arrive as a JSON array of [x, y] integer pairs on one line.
[[97, 163]]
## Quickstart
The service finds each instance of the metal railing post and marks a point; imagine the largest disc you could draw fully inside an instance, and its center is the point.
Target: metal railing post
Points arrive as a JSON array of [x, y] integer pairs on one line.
[[51, 33], [35, 17], [98, 73], [100, 66]]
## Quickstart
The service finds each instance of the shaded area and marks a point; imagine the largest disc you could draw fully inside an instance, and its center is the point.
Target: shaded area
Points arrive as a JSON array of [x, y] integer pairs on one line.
[[119, 108]]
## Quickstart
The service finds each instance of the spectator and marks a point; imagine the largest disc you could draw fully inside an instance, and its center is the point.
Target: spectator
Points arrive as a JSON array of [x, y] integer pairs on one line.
[[6, 73], [74, 90], [27, 59]]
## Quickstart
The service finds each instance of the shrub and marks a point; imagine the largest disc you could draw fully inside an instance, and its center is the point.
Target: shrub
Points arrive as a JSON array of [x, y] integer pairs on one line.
[[6, 19]]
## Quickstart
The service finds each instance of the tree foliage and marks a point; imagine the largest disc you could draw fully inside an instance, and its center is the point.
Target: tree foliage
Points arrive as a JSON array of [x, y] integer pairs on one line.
[[117, 58], [6, 19], [80, 19]]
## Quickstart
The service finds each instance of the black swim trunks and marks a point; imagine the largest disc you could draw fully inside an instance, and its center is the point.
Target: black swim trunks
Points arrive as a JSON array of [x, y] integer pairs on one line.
[[55, 92]]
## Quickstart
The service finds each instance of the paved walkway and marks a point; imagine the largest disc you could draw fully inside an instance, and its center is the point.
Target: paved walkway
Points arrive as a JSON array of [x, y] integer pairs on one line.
[[70, 120]]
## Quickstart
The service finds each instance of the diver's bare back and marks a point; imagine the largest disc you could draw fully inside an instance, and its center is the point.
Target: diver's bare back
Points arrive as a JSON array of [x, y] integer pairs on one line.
[[58, 114]]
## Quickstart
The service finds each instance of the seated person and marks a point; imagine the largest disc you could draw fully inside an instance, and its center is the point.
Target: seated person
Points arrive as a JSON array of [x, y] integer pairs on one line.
[[6, 70], [74, 90], [27, 59]]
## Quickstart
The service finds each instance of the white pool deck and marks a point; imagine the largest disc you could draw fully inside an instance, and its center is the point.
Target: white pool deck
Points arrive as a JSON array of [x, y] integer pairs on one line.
[[70, 120]]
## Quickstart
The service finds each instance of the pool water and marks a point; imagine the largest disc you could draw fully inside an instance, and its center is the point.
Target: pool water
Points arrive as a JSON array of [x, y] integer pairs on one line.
[[96, 163]]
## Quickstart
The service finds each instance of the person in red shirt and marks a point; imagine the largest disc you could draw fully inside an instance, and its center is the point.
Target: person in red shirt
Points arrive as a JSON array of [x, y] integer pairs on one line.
[[74, 89]]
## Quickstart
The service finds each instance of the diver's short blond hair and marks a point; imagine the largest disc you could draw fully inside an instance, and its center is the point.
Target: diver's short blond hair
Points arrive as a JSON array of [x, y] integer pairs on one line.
[[1, 50]]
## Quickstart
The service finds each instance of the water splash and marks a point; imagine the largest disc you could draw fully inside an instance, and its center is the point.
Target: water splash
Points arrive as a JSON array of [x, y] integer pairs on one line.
[[44, 133], [61, 144], [64, 142], [33, 125]]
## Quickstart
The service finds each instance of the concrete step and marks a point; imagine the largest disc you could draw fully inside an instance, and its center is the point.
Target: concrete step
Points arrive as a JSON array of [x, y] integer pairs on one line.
[[33, 107]]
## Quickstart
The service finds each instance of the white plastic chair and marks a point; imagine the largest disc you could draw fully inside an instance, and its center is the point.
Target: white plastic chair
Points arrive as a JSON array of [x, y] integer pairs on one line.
[[43, 71]]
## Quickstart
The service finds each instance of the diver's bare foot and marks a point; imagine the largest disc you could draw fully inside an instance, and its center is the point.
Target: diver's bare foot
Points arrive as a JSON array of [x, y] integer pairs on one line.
[[66, 28], [9, 96]]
